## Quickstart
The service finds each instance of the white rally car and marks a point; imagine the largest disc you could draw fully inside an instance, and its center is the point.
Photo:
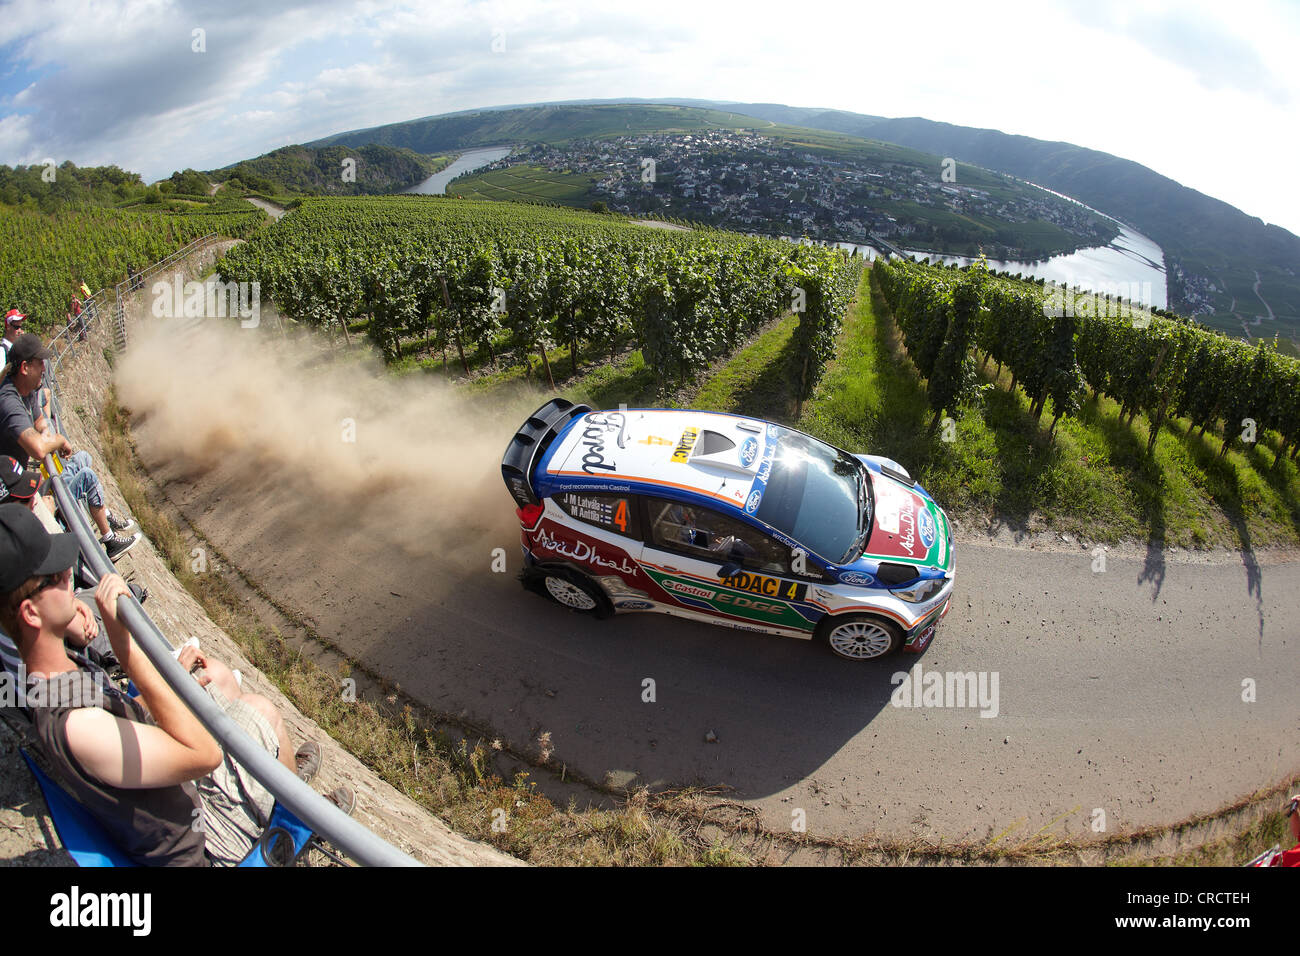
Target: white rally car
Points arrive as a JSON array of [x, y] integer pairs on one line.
[[731, 520]]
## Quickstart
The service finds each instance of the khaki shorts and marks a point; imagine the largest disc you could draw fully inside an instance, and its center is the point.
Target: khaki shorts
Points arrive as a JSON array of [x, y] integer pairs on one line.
[[236, 807]]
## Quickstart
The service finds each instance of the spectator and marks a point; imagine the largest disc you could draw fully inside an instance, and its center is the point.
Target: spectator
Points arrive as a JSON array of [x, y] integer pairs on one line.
[[13, 329], [25, 431], [77, 316], [128, 761]]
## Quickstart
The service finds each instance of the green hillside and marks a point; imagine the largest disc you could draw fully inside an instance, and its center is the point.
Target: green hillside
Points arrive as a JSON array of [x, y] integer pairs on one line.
[[321, 171]]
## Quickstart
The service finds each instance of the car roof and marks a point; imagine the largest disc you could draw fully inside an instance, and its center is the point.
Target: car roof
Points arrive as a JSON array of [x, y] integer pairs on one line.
[[715, 456]]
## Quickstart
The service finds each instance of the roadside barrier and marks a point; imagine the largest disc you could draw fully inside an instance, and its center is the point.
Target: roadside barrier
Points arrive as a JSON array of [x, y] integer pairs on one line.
[[321, 814]]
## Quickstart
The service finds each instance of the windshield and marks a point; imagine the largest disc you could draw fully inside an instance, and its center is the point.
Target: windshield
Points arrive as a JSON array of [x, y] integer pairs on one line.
[[817, 495]]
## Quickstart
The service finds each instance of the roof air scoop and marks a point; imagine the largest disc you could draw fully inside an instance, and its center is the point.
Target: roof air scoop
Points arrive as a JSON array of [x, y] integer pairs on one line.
[[718, 451]]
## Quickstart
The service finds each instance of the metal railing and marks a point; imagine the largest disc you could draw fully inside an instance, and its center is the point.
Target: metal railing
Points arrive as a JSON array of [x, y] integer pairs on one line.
[[321, 814], [99, 304]]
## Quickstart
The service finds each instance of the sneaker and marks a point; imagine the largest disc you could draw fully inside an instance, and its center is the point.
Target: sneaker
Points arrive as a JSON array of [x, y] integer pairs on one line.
[[116, 545], [118, 523], [308, 760], [344, 798]]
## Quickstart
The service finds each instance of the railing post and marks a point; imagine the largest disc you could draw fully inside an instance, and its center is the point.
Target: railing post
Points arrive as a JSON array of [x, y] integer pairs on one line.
[[119, 330]]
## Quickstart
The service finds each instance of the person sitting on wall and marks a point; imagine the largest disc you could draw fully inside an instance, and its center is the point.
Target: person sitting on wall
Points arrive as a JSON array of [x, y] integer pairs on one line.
[[26, 432], [146, 768]]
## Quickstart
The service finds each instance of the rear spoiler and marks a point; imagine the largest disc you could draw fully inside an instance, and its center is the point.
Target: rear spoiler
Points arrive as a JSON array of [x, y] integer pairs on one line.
[[531, 441]]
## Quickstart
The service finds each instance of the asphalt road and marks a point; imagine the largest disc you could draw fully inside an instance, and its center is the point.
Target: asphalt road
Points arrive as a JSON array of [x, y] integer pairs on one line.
[[1118, 691]]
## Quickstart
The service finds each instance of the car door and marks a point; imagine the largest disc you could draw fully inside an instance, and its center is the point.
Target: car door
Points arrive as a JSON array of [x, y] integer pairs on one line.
[[687, 549]]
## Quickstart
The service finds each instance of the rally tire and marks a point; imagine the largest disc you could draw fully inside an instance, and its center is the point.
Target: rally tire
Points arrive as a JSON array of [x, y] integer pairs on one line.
[[859, 637], [572, 590]]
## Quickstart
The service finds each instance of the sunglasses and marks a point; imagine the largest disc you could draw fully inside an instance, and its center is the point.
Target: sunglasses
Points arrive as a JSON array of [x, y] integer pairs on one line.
[[1292, 807], [52, 580]]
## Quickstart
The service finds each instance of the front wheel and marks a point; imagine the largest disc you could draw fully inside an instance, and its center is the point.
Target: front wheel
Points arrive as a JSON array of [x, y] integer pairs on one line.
[[860, 637]]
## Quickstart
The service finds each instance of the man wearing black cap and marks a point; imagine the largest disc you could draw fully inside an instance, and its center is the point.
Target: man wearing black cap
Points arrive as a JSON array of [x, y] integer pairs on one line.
[[130, 761], [24, 432], [17, 484]]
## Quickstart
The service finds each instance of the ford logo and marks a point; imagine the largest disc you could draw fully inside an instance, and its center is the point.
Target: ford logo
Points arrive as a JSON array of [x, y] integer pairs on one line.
[[855, 577], [749, 451], [771, 431], [925, 528], [752, 504], [635, 605]]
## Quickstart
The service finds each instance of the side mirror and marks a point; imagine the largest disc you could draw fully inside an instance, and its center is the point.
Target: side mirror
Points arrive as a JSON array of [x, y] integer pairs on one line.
[[729, 570]]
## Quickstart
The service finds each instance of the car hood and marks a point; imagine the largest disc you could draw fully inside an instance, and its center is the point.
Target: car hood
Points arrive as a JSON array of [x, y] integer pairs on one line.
[[906, 526]]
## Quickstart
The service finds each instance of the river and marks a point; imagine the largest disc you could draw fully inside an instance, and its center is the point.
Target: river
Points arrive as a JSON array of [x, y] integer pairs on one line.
[[469, 160], [1131, 266]]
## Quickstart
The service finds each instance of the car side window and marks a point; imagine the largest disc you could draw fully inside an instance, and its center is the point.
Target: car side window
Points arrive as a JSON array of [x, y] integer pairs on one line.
[[707, 535], [617, 513]]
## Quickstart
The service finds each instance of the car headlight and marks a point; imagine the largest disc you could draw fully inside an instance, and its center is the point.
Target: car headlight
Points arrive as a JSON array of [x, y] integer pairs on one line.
[[920, 592]]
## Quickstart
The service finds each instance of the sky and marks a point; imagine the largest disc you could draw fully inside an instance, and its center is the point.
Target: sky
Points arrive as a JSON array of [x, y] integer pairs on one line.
[[1205, 93]]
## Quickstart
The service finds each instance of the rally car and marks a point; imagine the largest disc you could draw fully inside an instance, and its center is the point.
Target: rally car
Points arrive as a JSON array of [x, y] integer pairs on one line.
[[731, 520]]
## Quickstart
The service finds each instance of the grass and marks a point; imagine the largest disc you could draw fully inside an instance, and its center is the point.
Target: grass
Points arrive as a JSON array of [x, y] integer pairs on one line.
[[755, 381]]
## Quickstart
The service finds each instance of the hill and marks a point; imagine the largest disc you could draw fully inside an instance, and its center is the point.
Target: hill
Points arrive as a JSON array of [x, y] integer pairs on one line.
[[373, 169]]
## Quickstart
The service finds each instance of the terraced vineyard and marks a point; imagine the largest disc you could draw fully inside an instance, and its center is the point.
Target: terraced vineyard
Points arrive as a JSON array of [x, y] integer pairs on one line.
[[462, 273], [524, 183], [44, 257]]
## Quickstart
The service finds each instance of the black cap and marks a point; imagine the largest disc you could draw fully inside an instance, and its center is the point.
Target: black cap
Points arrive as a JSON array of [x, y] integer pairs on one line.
[[15, 482], [27, 550], [26, 347]]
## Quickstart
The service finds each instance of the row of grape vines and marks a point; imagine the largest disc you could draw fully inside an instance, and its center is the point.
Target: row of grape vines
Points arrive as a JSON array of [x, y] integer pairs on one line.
[[45, 257], [1153, 364], [464, 273]]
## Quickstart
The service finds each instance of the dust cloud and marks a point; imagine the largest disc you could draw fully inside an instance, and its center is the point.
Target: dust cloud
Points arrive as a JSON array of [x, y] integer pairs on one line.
[[409, 458]]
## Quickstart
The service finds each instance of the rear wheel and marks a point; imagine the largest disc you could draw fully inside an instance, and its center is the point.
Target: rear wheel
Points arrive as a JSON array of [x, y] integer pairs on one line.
[[573, 590], [860, 637]]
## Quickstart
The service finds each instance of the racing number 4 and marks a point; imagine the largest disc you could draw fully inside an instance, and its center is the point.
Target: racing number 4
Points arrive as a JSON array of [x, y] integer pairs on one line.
[[620, 515]]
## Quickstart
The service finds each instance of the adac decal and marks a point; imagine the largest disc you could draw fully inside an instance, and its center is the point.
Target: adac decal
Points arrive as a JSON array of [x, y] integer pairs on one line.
[[685, 444], [769, 586], [856, 578], [578, 548], [748, 451]]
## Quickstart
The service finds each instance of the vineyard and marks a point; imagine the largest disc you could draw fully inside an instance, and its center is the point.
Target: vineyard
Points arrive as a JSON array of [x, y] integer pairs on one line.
[[1159, 366], [461, 274], [45, 257]]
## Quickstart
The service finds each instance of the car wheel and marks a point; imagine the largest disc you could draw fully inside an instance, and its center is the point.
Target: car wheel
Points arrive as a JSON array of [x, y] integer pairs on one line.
[[860, 637], [574, 591]]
